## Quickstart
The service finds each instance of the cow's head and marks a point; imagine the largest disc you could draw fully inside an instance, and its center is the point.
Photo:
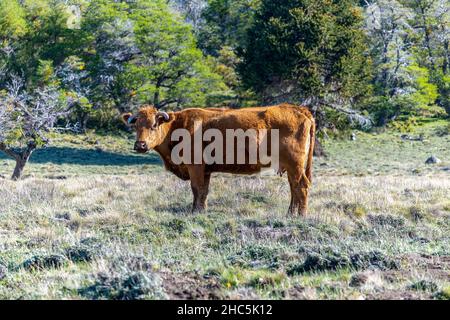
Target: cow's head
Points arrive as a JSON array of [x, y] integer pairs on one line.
[[147, 123]]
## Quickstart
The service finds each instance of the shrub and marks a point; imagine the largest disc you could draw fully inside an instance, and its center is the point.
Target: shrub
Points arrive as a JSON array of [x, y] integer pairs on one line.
[[40, 262], [129, 286], [256, 256], [444, 294], [424, 285], [321, 261]]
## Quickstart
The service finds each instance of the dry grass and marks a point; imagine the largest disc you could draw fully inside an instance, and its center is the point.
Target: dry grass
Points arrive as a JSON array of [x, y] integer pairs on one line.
[[93, 221], [243, 247]]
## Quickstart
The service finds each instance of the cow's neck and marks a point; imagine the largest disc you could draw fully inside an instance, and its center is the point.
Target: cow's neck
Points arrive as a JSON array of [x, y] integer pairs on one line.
[[163, 148]]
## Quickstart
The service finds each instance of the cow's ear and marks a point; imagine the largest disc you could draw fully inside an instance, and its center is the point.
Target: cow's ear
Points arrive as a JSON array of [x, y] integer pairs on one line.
[[128, 119]]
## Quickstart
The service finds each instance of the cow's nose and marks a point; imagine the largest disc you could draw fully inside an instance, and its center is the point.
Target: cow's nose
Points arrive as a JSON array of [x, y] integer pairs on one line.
[[140, 146]]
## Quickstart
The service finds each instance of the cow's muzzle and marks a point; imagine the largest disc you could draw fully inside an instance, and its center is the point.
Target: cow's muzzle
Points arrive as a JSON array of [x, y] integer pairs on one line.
[[140, 146]]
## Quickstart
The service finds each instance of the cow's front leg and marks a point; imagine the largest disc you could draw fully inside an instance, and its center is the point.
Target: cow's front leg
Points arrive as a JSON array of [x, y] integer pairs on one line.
[[200, 187]]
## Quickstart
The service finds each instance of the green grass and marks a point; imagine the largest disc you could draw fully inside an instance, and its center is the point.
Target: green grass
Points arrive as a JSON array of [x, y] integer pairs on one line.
[[110, 224], [387, 154], [72, 155]]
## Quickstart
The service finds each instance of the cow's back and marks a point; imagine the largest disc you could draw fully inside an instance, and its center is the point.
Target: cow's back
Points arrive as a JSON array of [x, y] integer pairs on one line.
[[286, 118]]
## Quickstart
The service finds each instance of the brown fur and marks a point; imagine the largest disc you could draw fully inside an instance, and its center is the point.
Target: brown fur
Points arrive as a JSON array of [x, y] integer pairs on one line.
[[296, 130]]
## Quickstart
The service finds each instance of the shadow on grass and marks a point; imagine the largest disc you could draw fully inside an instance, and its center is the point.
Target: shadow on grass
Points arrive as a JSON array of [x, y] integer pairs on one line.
[[89, 157]]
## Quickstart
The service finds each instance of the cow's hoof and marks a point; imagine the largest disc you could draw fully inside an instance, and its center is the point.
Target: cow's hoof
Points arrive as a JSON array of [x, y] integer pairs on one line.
[[198, 210], [291, 213]]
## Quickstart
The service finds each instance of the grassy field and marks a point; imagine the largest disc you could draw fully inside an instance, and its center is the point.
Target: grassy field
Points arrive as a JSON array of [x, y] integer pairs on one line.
[[92, 220]]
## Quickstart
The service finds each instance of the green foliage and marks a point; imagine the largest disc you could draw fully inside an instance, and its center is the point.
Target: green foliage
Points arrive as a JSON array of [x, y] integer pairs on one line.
[[12, 20], [408, 125], [119, 54], [225, 24], [225, 65], [45, 73], [314, 46], [173, 70]]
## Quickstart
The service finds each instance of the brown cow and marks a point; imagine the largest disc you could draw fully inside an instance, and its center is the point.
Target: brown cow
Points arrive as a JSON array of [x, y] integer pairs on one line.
[[296, 127]]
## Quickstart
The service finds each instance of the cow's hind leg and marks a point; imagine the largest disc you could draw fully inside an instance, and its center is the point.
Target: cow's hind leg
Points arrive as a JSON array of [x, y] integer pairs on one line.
[[295, 160], [299, 184], [200, 187]]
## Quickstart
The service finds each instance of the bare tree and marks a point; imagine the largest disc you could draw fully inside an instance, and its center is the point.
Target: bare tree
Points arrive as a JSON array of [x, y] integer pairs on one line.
[[387, 24], [26, 118], [191, 9]]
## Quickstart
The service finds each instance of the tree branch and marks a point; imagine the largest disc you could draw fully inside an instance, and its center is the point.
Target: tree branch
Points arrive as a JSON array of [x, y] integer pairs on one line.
[[11, 153]]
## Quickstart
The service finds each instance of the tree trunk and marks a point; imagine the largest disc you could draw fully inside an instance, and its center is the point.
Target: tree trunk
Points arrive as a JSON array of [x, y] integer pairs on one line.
[[427, 36], [18, 170], [83, 118], [319, 117], [21, 160], [156, 97], [318, 149]]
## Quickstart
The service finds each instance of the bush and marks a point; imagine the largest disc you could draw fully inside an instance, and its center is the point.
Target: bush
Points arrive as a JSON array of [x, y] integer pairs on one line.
[[41, 262], [444, 294], [80, 254], [443, 131], [84, 251], [382, 109], [405, 126], [424, 285], [330, 261], [256, 256], [130, 286]]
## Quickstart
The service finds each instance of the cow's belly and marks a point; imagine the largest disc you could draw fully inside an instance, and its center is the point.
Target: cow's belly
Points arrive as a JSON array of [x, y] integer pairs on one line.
[[235, 168], [179, 170]]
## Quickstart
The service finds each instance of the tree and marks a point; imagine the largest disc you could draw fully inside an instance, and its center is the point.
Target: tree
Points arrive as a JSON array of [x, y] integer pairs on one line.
[[224, 23], [408, 57], [12, 20], [26, 117], [34, 39], [136, 52], [170, 69], [191, 9], [109, 44], [431, 23], [46, 36], [387, 25], [310, 52]]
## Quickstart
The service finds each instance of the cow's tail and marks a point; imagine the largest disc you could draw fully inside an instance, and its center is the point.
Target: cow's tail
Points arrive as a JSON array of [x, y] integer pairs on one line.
[[309, 161]]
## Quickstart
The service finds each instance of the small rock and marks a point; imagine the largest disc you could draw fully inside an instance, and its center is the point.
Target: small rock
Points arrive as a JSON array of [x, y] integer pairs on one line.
[[411, 138], [353, 136], [433, 160]]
